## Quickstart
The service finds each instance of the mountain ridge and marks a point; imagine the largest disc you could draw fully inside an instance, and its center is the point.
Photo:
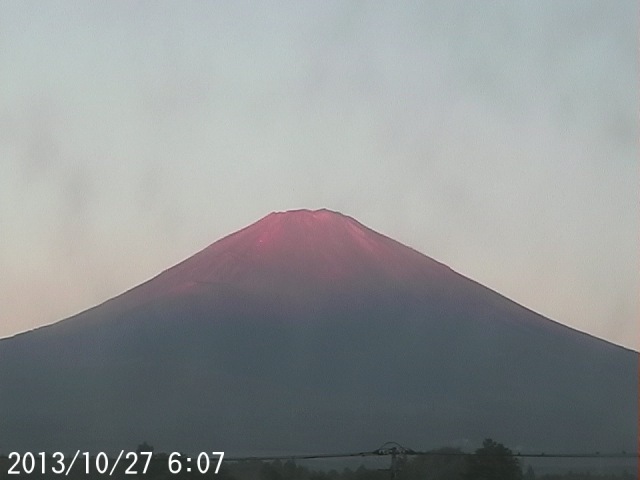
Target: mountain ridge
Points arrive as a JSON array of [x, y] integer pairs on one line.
[[265, 340], [305, 217]]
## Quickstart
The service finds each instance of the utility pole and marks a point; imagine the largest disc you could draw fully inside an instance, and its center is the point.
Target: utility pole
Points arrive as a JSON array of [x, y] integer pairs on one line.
[[398, 454], [394, 463]]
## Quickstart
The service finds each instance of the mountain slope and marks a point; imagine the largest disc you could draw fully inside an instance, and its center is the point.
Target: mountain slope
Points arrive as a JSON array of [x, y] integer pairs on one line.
[[307, 331]]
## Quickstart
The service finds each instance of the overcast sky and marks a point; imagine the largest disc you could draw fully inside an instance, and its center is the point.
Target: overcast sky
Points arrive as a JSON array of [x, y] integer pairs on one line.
[[497, 137]]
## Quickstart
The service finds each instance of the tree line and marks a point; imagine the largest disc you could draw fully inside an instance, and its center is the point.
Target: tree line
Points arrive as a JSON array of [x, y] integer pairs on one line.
[[492, 461]]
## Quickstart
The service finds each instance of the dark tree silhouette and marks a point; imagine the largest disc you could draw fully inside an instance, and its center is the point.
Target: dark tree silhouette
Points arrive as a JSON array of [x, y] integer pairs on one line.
[[493, 461]]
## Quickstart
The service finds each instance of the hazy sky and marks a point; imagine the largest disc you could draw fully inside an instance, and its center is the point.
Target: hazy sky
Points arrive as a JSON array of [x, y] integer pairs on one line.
[[497, 137]]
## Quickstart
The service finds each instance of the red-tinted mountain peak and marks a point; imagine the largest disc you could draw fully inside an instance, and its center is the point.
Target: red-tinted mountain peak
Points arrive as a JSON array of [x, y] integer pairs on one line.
[[276, 336], [302, 252]]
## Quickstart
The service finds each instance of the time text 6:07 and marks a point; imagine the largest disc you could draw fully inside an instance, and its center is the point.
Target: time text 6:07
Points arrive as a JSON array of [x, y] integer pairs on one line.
[[134, 463]]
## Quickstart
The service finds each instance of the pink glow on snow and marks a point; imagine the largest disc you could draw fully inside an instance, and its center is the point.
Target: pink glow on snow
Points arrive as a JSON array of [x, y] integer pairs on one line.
[[300, 252]]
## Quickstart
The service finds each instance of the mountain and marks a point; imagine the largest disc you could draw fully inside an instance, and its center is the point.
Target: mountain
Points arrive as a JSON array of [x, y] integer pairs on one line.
[[309, 332]]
